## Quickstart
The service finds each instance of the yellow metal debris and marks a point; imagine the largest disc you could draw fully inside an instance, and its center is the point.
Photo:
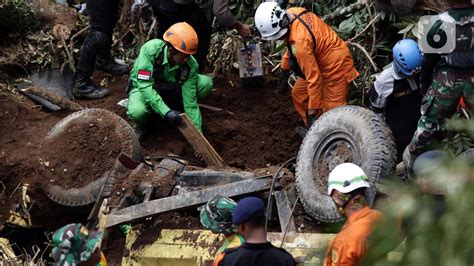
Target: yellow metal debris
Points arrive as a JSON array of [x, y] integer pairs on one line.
[[198, 247]]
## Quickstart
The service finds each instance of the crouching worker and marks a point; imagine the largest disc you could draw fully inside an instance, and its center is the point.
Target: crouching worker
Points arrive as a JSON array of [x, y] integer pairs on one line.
[[216, 216], [315, 53], [346, 185], [74, 244], [164, 79]]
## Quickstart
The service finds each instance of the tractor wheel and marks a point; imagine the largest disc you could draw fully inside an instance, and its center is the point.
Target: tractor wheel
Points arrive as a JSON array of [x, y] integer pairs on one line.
[[129, 145], [344, 134]]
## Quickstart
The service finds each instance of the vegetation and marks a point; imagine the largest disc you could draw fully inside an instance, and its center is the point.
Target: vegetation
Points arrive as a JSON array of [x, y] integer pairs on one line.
[[14, 11], [429, 229]]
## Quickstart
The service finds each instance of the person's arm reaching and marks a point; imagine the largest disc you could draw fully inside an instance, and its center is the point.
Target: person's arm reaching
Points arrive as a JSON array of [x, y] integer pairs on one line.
[[227, 19]]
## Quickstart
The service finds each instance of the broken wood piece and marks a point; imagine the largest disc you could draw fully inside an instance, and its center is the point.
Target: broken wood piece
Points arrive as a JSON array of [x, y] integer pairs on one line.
[[199, 142], [186, 200], [285, 214], [214, 109]]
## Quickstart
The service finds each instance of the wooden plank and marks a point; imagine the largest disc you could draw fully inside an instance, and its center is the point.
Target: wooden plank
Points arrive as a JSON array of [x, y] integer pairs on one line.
[[284, 211], [199, 142], [186, 200], [214, 109]]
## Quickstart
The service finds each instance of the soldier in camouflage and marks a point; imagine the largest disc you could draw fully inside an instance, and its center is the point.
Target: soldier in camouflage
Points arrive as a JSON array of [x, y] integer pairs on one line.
[[74, 244], [216, 216], [453, 79]]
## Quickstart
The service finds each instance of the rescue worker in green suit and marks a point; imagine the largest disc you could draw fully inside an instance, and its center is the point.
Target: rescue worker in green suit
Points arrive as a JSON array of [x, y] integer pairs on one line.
[[165, 80], [453, 78]]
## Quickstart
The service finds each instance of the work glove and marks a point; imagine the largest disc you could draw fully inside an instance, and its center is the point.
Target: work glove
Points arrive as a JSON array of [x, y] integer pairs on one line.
[[282, 86], [312, 117], [173, 117]]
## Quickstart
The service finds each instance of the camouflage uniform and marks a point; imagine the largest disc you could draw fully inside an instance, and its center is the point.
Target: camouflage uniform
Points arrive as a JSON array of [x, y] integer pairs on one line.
[[440, 103], [452, 80], [73, 244]]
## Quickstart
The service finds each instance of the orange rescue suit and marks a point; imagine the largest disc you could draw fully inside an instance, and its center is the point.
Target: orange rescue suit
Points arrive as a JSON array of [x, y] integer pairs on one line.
[[350, 244], [327, 65]]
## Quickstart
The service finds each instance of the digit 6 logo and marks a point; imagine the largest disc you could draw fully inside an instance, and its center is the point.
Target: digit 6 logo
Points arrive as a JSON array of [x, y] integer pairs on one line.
[[438, 34]]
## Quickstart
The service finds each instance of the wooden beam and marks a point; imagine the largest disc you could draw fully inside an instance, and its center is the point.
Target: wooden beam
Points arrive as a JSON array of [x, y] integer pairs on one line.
[[186, 200], [199, 142]]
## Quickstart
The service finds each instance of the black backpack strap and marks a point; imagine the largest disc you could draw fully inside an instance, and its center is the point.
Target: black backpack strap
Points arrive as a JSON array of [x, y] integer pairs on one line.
[[293, 62], [307, 27]]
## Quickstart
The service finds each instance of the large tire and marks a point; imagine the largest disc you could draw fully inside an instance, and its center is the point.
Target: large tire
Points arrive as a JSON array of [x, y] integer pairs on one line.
[[344, 134], [88, 194]]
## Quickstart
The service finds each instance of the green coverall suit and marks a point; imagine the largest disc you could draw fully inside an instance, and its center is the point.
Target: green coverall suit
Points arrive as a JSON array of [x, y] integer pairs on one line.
[[144, 98]]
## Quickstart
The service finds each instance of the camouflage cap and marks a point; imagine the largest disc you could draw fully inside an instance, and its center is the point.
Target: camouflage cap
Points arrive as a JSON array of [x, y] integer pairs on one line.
[[216, 215], [74, 243]]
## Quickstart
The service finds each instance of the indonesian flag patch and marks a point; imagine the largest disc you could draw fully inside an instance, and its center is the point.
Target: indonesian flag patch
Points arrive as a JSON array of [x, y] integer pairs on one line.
[[144, 74]]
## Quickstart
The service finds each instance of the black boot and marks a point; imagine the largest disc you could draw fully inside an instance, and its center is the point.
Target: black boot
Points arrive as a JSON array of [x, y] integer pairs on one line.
[[107, 64], [84, 87]]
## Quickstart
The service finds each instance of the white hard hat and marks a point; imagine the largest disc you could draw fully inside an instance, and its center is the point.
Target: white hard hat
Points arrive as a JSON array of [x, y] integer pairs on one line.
[[347, 177], [271, 21]]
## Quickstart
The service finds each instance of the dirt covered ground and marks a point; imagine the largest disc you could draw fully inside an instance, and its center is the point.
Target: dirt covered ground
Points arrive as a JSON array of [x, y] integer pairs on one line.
[[255, 130]]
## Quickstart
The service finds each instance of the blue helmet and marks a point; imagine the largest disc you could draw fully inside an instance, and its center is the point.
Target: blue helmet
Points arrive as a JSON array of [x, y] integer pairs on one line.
[[407, 57]]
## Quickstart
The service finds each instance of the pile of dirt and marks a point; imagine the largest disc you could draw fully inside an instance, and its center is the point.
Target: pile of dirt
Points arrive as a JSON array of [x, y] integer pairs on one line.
[[81, 154], [255, 130], [23, 127], [260, 132]]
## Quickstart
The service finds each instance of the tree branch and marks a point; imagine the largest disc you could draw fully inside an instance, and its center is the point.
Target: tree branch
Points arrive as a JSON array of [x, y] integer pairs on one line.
[[365, 53], [346, 10], [366, 27]]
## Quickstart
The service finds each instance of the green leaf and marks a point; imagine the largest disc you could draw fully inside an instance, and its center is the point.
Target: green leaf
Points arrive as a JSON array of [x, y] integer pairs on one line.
[[406, 29]]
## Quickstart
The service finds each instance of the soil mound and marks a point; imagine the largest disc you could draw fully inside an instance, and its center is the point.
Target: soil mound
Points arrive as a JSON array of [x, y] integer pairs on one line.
[[80, 154], [259, 132]]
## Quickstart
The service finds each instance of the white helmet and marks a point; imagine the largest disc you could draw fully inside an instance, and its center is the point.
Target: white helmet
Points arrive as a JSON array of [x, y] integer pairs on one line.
[[271, 21], [347, 177]]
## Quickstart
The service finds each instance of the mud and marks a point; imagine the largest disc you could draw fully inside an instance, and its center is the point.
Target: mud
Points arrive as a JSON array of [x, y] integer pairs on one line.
[[258, 133], [323, 166], [81, 154]]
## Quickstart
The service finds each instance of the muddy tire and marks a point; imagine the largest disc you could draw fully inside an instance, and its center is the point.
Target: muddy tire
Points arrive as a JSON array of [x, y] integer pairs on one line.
[[344, 134], [88, 194]]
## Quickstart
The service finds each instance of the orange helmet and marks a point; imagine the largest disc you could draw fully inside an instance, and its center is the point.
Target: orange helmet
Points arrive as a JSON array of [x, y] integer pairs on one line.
[[183, 38]]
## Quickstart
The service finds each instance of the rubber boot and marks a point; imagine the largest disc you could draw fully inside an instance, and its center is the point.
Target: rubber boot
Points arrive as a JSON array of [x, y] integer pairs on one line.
[[85, 88], [107, 64]]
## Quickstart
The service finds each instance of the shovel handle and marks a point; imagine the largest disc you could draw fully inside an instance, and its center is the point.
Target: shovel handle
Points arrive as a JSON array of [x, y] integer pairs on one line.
[[122, 164]]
